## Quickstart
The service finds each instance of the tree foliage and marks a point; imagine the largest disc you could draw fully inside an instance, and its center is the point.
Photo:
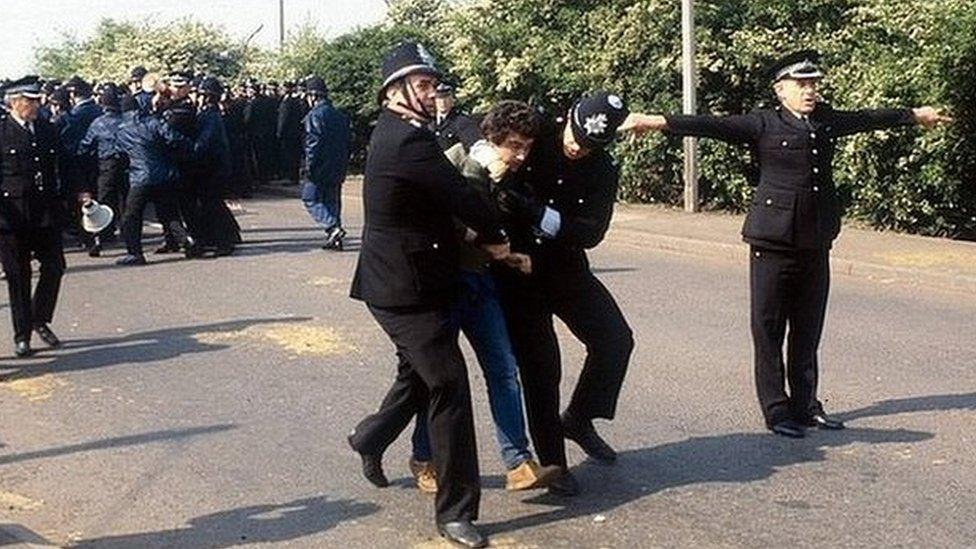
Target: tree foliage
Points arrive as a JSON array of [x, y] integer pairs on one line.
[[877, 52]]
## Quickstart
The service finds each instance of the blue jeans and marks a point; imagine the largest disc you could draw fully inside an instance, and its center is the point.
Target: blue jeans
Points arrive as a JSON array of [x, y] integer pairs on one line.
[[324, 203], [479, 315]]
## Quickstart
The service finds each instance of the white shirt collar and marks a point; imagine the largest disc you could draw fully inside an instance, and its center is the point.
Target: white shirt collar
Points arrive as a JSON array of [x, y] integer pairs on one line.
[[20, 121]]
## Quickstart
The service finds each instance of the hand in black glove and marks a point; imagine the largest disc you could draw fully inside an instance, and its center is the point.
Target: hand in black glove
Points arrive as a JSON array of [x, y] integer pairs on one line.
[[522, 207]]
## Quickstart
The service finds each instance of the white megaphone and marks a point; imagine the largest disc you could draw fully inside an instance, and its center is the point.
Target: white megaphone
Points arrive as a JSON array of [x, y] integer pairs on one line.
[[96, 217]]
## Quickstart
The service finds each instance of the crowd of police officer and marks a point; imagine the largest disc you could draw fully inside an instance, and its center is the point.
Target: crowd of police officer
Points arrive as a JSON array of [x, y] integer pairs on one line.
[[183, 143]]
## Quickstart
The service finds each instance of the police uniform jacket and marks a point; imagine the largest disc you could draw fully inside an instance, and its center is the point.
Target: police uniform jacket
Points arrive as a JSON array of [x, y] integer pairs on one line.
[[151, 146], [82, 170], [101, 140], [29, 197], [327, 137], [583, 191], [212, 164], [182, 116], [290, 114], [795, 205], [456, 128], [411, 193]]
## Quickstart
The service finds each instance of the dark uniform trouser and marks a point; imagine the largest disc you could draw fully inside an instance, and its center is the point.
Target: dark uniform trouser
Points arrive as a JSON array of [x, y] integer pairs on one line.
[[290, 154], [431, 374], [15, 254], [215, 224], [112, 186], [788, 288], [591, 313], [164, 200]]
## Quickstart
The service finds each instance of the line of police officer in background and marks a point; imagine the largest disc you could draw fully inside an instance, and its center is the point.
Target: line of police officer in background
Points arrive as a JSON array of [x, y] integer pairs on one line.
[[183, 143]]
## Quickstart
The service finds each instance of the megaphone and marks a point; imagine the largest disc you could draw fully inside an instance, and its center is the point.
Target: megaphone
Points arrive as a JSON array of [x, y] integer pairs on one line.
[[96, 217]]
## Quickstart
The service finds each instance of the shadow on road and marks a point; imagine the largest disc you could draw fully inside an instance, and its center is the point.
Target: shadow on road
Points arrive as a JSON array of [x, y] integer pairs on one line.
[[929, 403], [731, 458], [129, 440], [268, 523], [149, 346]]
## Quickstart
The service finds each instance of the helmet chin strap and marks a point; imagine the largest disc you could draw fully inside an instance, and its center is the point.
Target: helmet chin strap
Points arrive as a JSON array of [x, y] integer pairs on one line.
[[408, 91]]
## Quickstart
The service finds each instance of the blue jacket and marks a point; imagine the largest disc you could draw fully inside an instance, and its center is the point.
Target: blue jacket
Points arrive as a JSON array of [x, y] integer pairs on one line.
[[326, 143], [82, 170], [151, 146], [102, 137], [211, 151]]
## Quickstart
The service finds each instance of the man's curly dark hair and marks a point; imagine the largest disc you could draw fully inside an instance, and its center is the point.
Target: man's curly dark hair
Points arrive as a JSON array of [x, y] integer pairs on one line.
[[507, 118]]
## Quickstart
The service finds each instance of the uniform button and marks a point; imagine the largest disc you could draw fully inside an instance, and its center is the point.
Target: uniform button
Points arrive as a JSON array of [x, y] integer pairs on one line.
[[757, 254], [436, 245], [816, 188], [528, 168], [785, 143], [816, 170], [815, 151], [769, 201], [538, 241], [551, 201], [580, 200], [37, 159], [813, 135], [559, 181], [40, 188]]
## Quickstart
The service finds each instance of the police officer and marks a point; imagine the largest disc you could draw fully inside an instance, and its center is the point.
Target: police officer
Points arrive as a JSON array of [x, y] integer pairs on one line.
[[82, 171], [560, 206], [218, 230], [451, 126], [101, 143], [179, 111], [291, 111], [152, 146], [260, 118], [792, 222], [407, 274], [31, 214], [327, 136]]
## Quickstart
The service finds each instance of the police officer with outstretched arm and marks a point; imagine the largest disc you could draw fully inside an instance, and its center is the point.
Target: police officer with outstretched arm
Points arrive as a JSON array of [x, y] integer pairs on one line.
[[408, 276], [792, 223]]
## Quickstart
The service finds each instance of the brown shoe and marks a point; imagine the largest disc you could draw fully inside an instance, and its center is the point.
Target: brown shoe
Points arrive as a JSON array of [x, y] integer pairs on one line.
[[424, 475], [530, 475]]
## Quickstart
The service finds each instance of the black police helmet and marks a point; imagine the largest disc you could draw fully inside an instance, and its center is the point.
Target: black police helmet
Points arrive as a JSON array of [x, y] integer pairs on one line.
[[594, 119]]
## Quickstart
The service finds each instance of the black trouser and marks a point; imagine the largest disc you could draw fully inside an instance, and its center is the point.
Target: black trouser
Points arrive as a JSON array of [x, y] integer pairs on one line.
[[591, 313], [15, 254], [164, 200], [214, 224], [788, 288], [290, 155], [113, 183], [431, 374]]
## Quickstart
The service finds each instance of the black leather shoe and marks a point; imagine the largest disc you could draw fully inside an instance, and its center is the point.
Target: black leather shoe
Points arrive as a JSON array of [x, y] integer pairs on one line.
[[23, 349], [823, 421], [372, 467], [463, 533], [95, 251], [333, 239], [47, 336], [582, 433], [564, 485], [789, 428]]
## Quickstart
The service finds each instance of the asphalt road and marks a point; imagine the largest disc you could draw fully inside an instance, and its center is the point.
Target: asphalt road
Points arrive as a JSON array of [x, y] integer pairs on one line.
[[205, 404]]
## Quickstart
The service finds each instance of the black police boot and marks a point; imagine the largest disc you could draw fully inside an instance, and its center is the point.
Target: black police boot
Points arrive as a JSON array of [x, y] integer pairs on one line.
[[23, 349], [372, 467], [564, 485], [47, 336], [463, 533], [823, 421], [333, 240], [96, 248], [788, 428], [583, 433]]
